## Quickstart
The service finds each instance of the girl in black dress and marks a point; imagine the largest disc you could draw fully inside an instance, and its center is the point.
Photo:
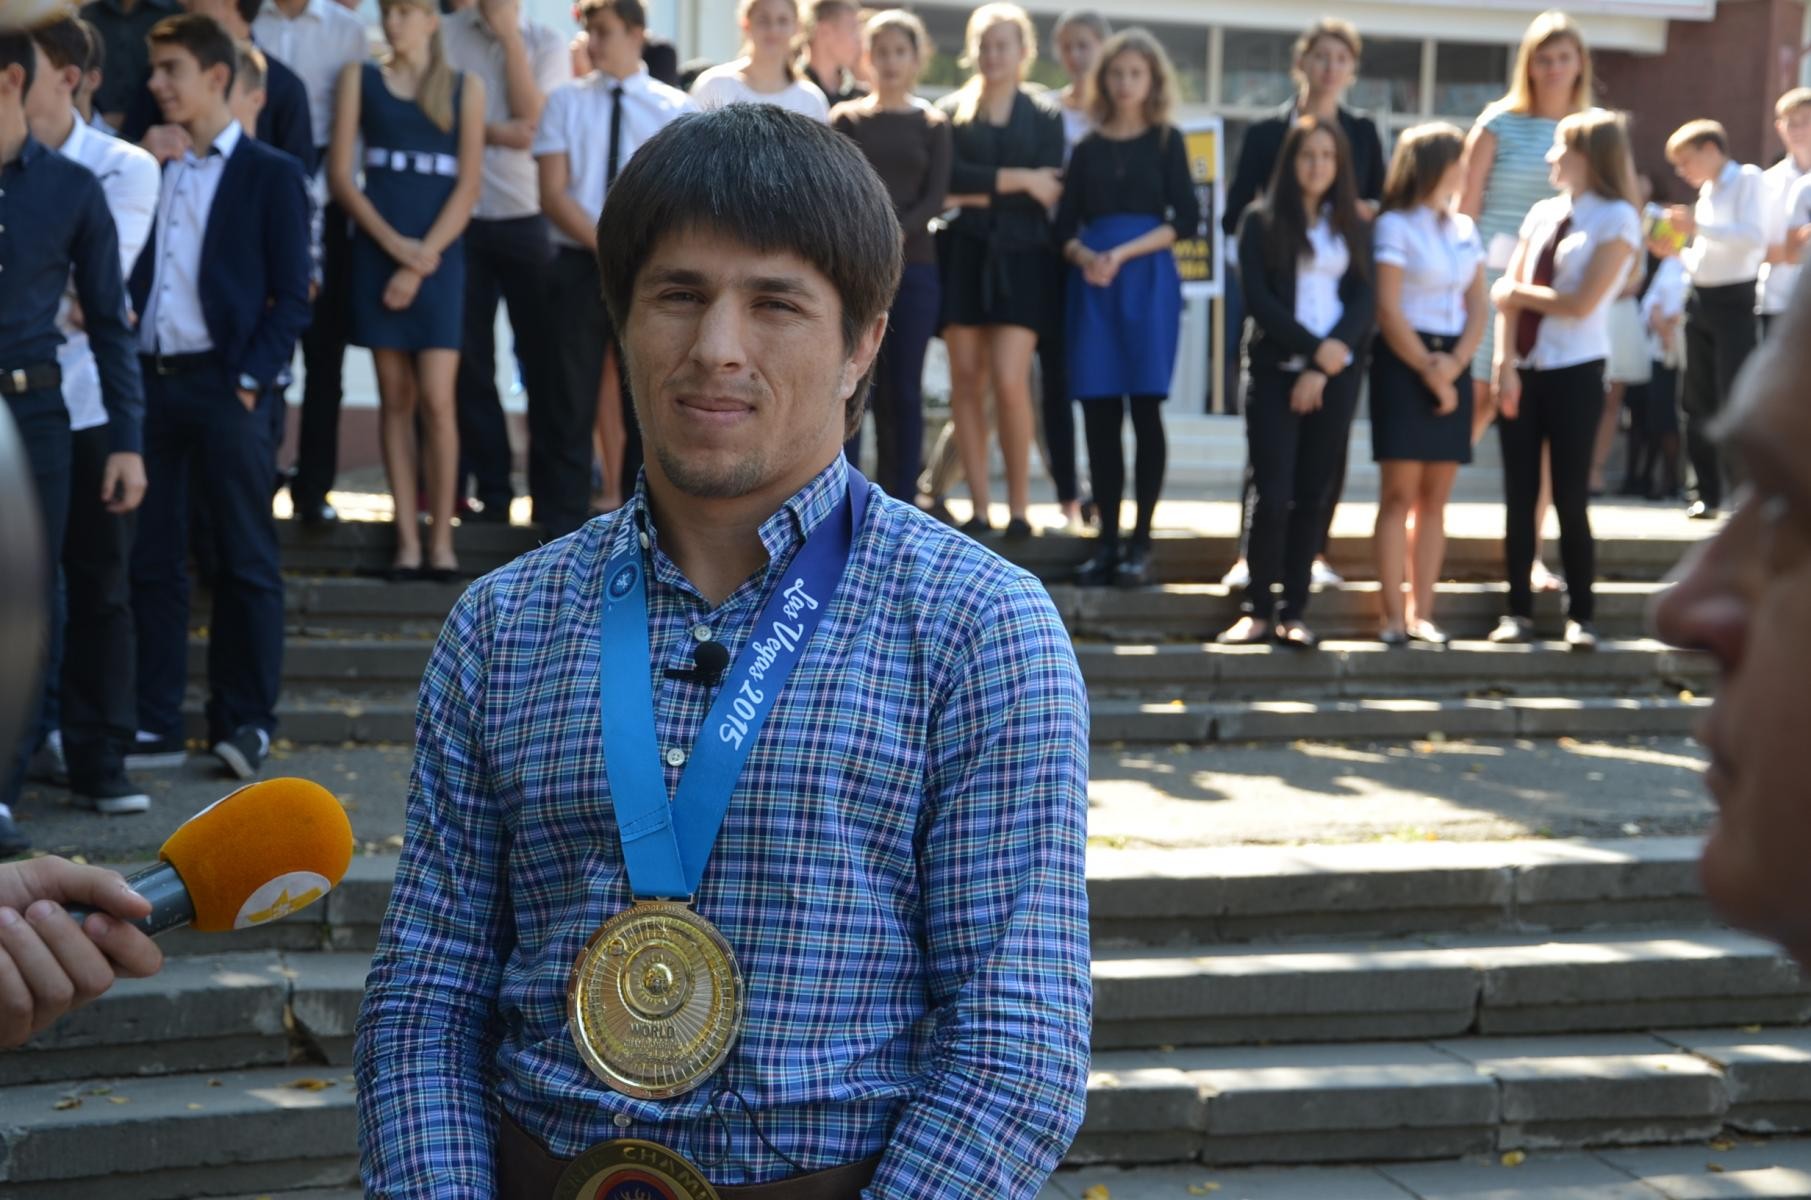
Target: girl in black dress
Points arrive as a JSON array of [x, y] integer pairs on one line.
[[1128, 197], [1304, 270], [1431, 314], [999, 277]]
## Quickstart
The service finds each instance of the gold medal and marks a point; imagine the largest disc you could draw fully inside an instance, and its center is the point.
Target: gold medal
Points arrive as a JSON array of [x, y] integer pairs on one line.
[[655, 1000], [632, 1170]]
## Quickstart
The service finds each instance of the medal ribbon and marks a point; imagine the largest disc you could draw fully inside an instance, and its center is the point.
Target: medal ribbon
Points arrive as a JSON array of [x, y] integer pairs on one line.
[[665, 846]]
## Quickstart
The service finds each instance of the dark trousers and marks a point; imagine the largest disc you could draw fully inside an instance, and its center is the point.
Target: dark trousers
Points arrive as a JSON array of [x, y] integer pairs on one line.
[[1720, 333], [323, 360], [512, 261], [1560, 410], [43, 425], [897, 397], [1295, 463], [95, 680], [1057, 404], [1103, 417], [559, 430], [197, 414]]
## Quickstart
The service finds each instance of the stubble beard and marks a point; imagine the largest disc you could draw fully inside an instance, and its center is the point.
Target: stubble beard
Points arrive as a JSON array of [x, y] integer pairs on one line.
[[738, 478]]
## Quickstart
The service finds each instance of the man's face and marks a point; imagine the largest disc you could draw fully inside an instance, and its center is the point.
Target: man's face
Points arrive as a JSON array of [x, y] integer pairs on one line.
[[47, 101], [1745, 597], [1699, 164], [181, 88], [737, 365], [615, 49]]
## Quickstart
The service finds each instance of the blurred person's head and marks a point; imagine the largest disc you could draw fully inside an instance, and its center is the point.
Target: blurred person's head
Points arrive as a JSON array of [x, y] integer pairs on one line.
[[193, 60], [250, 81], [1792, 121], [1325, 60], [833, 34], [62, 53], [1698, 150], [18, 68], [1077, 39], [615, 33], [748, 256], [94, 70], [1590, 153], [1743, 597], [769, 29], [897, 45], [236, 15], [1552, 67], [1425, 168], [1132, 74], [999, 46], [412, 29]]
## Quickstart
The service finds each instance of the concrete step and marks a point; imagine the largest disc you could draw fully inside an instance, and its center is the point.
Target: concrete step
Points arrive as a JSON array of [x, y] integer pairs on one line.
[[1356, 1102], [1202, 670], [1178, 557], [1441, 987], [1198, 611], [179, 1136], [1182, 722], [328, 715], [1724, 1168]]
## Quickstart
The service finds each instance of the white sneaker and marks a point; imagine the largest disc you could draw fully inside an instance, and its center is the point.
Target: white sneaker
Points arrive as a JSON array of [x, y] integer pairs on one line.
[[1237, 576], [113, 795], [1513, 631], [1322, 575]]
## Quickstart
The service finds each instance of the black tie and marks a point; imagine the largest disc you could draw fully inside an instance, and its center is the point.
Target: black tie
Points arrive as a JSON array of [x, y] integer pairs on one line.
[[616, 134]]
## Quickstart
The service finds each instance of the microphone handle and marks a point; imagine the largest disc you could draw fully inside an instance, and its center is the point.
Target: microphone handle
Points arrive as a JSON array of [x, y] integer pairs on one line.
[[159, 883]]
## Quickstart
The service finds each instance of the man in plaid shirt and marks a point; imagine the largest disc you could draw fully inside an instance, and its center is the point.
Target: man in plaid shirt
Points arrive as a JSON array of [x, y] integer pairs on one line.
[[900, 868]]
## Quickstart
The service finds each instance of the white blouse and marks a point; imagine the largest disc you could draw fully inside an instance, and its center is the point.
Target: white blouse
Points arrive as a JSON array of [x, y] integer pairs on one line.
[[1569, 341], [723, 85], [1439, 254], [1318, 307]]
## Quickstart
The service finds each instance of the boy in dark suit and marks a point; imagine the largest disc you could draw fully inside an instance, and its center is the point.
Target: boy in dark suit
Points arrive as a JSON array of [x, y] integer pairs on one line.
[[222, 295]]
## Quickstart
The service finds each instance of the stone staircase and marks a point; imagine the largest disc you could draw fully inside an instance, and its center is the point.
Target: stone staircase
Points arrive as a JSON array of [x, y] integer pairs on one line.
[[1254, 1005]]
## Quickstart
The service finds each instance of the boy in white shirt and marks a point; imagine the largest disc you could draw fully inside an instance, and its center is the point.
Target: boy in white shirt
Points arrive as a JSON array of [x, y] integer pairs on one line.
[[1779, 270], [1722, 258]]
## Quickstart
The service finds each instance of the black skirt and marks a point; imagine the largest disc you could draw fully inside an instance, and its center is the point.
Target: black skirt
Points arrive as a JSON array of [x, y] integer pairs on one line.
[[1405, 423], [986, 286]]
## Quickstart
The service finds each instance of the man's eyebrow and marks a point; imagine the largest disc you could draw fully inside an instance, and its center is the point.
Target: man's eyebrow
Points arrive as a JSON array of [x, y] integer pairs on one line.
[[777, 285], [678, 275]]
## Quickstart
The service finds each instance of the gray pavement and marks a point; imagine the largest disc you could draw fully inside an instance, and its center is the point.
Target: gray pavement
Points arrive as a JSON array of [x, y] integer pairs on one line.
[[1139, 796]]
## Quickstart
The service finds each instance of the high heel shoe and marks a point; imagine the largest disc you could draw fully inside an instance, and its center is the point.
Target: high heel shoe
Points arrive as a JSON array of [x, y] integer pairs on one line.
[[1135, 568], [1099, 570]]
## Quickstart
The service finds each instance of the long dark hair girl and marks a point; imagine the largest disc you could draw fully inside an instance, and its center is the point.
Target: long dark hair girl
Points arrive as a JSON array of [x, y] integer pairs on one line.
[[1286, 229]]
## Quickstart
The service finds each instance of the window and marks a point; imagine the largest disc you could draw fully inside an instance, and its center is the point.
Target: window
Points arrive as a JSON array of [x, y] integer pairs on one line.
[[1256, 73], [1187, 47], [1467, 77], [1389, 77]]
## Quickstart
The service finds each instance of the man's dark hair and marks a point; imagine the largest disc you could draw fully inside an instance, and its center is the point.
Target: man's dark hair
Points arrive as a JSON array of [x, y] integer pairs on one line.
[[16, 50], [629, 12], [772, 180], [64, 43], [249, 9], [203, 37]]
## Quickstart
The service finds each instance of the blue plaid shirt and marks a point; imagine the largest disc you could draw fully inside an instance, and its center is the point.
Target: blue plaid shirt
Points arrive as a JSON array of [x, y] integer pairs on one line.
[[900, 873]]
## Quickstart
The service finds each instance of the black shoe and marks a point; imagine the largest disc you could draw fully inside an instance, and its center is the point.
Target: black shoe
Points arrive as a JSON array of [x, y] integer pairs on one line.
[[48, 764], [1135, 567], [1018, 529], [317, 514], [976, 526], [158, 755], [1100, 570], [112, 793], [244, 752], [487, 512], [12, 842]]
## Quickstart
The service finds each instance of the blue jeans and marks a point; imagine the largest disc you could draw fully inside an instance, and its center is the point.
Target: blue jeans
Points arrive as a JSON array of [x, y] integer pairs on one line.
[[190, 416]]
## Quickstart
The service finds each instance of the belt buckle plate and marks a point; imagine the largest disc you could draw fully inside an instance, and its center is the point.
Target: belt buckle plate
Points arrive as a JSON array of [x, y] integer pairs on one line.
[[632, 1169]]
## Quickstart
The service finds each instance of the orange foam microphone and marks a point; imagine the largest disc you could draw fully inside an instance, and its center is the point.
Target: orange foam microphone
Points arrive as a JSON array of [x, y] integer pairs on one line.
[[255, 855]]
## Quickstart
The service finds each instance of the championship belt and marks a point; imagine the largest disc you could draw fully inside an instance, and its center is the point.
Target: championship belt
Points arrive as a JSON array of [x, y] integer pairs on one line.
[[655, 1001], [629, 1169]]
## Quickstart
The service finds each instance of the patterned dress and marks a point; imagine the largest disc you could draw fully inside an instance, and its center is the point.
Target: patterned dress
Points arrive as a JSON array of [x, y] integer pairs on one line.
[[1518, 181]]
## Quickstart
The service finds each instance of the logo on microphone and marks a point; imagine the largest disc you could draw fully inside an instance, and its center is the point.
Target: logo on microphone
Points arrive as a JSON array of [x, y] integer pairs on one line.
[[623, 581], [281, 896]]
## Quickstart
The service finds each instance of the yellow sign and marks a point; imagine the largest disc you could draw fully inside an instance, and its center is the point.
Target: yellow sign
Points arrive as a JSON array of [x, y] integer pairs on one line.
[[1198, 258]]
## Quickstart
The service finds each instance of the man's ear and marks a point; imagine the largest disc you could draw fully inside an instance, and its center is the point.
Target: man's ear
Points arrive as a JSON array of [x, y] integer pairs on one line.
[[867, 347]]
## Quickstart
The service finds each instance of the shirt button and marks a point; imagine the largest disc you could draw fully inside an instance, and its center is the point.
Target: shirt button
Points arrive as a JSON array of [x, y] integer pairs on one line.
[[644, 541], [701, 633], [675, 757], [622, 1120]]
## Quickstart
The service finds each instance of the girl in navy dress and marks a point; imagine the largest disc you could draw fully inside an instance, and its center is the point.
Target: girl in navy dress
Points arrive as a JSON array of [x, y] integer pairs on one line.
[[1127, 197], [422, 131]]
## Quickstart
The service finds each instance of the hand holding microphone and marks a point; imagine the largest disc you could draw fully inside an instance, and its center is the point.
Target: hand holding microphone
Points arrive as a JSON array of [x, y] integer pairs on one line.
[[256, 855]]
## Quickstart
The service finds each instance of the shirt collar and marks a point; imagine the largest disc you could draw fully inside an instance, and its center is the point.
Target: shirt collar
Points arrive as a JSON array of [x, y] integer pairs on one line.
[[785, 530], [29, 153], [1727, 175], [312, 11], [224, 145], [633, 85]]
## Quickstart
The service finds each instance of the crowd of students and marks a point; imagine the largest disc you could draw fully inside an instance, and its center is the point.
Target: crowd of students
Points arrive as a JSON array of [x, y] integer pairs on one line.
[[263, 180]]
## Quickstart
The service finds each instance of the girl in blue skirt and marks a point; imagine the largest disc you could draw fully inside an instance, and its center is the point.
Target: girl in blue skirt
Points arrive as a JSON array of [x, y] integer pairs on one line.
[[1127, 197]]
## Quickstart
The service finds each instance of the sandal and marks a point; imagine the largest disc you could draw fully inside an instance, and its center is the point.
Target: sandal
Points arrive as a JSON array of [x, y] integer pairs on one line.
[[1297, 636], [1246, 631]]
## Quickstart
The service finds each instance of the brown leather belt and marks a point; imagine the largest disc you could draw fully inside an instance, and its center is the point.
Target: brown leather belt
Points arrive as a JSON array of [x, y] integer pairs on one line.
[[526, 1171]]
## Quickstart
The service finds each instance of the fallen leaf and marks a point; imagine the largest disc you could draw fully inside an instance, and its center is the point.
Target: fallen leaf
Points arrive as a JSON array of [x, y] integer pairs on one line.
[[1514, 1158], [78, 859], [1749, 1028], [1714, 1168], [1722, 1145], [1203, 1189], [215, 1083], [394, 841], [312, 1085], [194, 1108], [119, 1100], [66, 1103], [1097, 1192]]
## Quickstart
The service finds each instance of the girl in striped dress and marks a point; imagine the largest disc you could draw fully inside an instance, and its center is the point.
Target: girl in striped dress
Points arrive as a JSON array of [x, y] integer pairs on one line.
[[1506, 175]]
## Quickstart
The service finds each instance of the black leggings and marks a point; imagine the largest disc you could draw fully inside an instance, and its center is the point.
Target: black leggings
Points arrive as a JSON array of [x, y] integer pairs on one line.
[[1561, 409], [1103, 417], [1296, 463]]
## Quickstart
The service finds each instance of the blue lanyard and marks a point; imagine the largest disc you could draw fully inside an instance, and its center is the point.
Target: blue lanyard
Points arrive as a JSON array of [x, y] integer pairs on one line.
[[665, 846]]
